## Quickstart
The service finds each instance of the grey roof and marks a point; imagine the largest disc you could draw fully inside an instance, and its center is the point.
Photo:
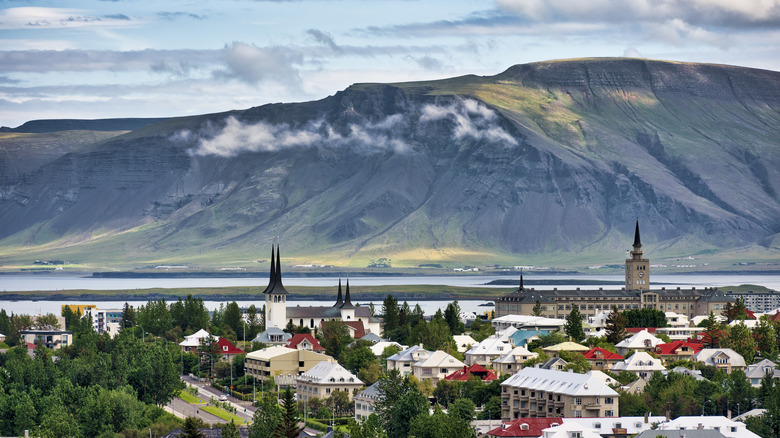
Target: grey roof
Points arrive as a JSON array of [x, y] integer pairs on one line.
[[370, 392], [323, 312], [549, 296], [759, 370], [372, 337], [265, 338], [687, 433], [406, 355], [549, 363]]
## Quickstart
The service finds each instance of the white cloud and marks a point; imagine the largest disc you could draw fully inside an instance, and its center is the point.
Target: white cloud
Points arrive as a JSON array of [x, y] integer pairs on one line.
[[253, 64], [47, 18], [471, 119]]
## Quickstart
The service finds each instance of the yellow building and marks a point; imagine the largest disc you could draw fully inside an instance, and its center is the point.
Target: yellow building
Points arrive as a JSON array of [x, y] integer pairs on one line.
[[282, 361], [79, 308]]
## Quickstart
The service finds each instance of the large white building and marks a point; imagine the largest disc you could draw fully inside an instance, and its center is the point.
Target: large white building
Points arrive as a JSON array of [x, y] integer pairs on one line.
[[278, 314], [322, 380]]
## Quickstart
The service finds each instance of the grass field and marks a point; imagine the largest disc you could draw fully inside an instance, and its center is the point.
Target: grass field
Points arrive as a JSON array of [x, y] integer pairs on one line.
[[189, 398], [223, 414]]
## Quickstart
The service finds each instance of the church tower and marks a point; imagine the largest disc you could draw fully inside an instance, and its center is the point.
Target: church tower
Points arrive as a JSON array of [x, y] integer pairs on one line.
[[347, 308], [637, 268], [275, 295]]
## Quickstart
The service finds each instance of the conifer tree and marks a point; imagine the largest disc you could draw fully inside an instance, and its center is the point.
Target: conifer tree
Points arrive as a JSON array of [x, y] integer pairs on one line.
[[288, 428], [573, 327], [616, 326]]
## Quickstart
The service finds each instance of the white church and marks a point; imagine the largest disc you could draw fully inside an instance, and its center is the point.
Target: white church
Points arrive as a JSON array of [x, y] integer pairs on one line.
[[278, 314]]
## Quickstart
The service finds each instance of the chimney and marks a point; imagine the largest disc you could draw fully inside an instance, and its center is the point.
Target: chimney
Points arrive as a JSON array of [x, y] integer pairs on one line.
[[647, 414], [667, 415]]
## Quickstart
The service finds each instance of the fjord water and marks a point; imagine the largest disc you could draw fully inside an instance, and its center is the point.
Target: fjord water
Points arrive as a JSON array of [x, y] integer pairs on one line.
[[23, 283]]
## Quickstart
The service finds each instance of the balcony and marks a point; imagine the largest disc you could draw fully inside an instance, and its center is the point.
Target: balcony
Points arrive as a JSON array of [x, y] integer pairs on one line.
[[593, 406]]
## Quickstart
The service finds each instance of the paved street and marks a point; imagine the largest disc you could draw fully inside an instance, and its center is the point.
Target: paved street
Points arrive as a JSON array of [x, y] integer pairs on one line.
[[244, 410]]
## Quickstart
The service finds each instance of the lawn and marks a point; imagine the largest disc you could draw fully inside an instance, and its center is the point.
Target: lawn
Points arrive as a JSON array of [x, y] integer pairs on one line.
[[223, 414], [189, 398]]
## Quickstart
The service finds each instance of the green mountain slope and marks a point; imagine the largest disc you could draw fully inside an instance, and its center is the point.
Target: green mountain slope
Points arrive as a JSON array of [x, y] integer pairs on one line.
[[546, 161]]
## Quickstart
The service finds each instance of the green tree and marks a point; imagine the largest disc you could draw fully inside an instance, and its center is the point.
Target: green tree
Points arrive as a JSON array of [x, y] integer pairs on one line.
[[128, 317], [537, 310], [411, 405], [615, 326], [155, 317], [645, 318], [463, 408], [288, 426], [369, 428], [266, 419], [434, 335], [452, 317], [390, 314], [766, 340], [370, 374], [573, 326], [440, 425], [230, 430], [492, 410], [358, 356], [334, 337], [47, 322], [713, 332], [446, 392], [740, 339], [253, 322], [191, 428], [232, 317]]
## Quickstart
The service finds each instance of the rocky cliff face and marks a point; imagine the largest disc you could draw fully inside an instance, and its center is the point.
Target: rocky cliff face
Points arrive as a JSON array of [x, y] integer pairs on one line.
[[544, 158]]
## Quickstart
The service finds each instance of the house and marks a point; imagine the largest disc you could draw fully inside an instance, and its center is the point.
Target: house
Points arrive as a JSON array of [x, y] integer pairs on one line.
[[228, 350], [721, 358], [365, 402], [614, 427], [536, 392], [273, 336], [569, 430], [601, 359], [475, 370], [436, 366], [404, 360], [282, 361], [699, 433], [524, 427], [757, 371], [484, 352], [305, 341], [573, 347], [696, 374], [729, 428], [525, 321], [640, 341], [513, 360], [463, 342], [371, 337], [640, 363], [556, 363], [323, 379], [380, 346], [52, 339], [193, 341], [678, 350]]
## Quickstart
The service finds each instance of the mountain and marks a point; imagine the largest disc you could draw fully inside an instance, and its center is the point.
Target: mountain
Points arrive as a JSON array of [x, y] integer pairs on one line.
[[545, 161]]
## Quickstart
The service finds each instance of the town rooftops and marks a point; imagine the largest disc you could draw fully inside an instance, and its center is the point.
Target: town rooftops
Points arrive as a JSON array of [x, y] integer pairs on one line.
[[226, 347], [673, 347], [411, 354], [600, 353], [439, 359], [708, 355], [513, 354], [475, 370], [559, 382], [272, 335], [639, 341], [328, 373], [639, 362], [304, 341], [566, 346], [525, 427]]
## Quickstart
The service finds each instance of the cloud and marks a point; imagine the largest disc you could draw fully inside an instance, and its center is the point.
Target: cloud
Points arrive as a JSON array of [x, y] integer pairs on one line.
[[176, 15], [324, 38], [40, 61], [40, 18], [253, 64], [471, 120]]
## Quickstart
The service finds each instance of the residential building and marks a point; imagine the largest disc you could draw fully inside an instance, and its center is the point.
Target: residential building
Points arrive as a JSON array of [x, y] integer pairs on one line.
[[640, 363], [680, 333], [404, 360], [323, 379], [757, 371], [278, 314], [107, 321], [273, 336], [279, 360], [365, 402], [760, 302], [572, 347], [729, 428], [699, 433], [678, 350], [436, 366], [52, 339], [601, 359], [305, 341], [484, 352], [524, 427], [475, 370], [228, 350], [640, 341], [463, 342], [512, 361], [636, 294], [721, 358], [615, 427], [536, 392], [380, 346], [192, 342], [527, 322], [555, 363]]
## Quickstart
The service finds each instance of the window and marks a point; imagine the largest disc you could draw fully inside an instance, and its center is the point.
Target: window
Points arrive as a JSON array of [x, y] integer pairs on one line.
[[609, 414], [578, 401], [609, 400], [577, 414]]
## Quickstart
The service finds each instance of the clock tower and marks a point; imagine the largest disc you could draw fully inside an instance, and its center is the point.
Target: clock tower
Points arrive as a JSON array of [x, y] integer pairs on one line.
[[637, 268]]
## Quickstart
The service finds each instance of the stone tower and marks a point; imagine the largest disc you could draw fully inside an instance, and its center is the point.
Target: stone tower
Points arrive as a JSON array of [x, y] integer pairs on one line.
[[637, 268]]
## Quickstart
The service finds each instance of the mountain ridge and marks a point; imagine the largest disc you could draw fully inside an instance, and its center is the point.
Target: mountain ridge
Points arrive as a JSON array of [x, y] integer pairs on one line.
[[542, 159]]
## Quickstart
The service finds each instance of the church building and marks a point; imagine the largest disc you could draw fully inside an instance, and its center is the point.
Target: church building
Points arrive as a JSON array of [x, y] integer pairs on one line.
[[278, 313]]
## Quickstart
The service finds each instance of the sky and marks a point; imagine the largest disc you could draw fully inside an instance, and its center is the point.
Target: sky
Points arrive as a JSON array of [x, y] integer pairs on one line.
[[91, 59]]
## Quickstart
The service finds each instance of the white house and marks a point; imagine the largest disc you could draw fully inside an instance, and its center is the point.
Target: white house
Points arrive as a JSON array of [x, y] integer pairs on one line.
[[325, 378], [404, 360], [640, 363], [640, 341], [436, 366], [484, 352], [729, 428], [513, 360], [721, 358]]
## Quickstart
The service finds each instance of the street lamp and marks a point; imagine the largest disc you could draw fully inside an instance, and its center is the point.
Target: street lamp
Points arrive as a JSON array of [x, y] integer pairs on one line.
[[143, 333]]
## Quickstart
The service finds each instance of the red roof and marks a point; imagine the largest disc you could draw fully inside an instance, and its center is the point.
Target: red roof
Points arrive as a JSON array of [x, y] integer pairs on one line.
[[639, 329], [672, 347], [525, 427], [474, 370], [750, 315], [226, 347], [300, 337], [606, 354], [360, 331], [775, 317]]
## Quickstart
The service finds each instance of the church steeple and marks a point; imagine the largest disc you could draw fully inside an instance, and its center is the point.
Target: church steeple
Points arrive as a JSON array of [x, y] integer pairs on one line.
[[521, 282], [637, 240], [339, 301], [347, 301], [272, 277], [275, 294], [276, 287]]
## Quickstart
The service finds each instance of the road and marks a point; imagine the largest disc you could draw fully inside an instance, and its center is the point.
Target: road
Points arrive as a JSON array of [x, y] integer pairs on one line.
[[244, 410]]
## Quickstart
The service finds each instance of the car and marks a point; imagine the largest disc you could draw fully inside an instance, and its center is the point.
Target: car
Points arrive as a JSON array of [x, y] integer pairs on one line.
[[223, 397]]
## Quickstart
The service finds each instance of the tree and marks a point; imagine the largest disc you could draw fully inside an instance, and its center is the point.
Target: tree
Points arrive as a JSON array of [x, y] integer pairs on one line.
[[370, 374], [434, 335], [334, 337], [713, 333], [573, 326], [191, 428], [408, 407], [232, 317], [537, 310], [47, 322], [440, 425], [740, 339], [155, 317], [766, 339], [288, 426], [645, 318], [358, 356], [253, 322], [230, 430], [615, 326], [390, 314], [266, 419], [446, 392], [463, 408], [452, 317]]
